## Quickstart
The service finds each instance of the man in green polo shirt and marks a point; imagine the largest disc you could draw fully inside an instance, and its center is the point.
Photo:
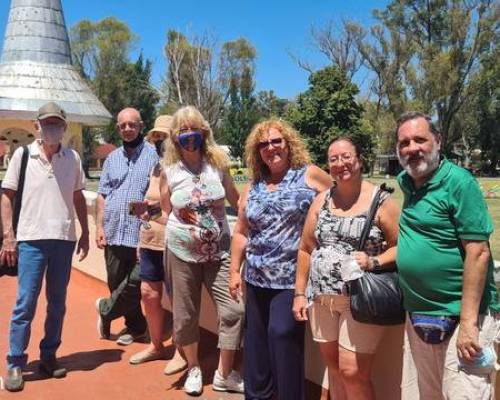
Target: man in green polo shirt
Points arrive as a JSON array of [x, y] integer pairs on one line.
[[445, 269]]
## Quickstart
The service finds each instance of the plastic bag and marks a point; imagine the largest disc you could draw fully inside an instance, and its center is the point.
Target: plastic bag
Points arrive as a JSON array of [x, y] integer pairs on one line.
[[349, 268]]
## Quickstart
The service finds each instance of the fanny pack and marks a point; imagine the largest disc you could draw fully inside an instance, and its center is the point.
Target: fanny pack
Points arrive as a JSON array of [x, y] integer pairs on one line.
[[432, 329]]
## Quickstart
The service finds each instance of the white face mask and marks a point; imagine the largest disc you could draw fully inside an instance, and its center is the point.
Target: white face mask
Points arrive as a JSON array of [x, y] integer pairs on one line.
[[52, 134]]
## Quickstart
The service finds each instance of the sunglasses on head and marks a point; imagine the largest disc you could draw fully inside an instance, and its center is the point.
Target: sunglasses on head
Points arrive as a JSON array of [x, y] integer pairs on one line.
[[273, 142]]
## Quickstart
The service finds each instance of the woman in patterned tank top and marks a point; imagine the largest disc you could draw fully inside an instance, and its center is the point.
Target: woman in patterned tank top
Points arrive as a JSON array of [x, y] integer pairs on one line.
[[271, 215], [194, 186], [331, 232]]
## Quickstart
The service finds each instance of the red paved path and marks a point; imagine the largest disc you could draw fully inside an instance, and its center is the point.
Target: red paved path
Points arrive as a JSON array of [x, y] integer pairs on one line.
[[98, 369]]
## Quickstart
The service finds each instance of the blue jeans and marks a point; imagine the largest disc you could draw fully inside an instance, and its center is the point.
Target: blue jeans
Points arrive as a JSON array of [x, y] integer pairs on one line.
[[34, 257]]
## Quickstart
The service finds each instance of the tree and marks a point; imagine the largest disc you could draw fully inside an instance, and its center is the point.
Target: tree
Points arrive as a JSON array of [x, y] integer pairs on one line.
[[337, 42], [138, 91], [425, 52], [478, 119], [200, 73], [269, 105], [101, 52], [327, 110], [241, 113]]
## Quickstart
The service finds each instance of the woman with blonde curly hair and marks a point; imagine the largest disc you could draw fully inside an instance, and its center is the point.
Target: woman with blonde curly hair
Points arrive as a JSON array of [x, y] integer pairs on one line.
[[193, 188], [271, 215]]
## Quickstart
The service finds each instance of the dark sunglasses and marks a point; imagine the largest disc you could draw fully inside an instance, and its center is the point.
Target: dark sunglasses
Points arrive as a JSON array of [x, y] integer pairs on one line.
[[273, 142]]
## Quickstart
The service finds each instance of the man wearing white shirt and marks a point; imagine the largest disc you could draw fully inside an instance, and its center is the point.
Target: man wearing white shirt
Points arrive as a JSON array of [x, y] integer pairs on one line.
[[45, 239]]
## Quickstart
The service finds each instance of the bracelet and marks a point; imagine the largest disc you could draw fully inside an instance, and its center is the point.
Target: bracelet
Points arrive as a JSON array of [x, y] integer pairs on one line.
[[299, 295]]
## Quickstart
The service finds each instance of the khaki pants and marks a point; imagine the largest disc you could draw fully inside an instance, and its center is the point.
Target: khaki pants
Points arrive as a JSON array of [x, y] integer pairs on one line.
[[430, 371], [187, 279]]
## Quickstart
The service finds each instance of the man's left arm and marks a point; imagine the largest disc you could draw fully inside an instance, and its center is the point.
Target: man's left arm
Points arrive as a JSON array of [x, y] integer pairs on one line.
[[81, 212], [474, 226], [477, 256]]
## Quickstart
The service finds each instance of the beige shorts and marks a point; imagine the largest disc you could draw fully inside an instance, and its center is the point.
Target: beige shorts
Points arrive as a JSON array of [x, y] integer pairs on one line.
[[331, 320]]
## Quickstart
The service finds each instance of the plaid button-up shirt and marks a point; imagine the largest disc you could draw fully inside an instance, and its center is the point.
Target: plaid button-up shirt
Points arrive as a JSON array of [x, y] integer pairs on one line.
[[125, 179]]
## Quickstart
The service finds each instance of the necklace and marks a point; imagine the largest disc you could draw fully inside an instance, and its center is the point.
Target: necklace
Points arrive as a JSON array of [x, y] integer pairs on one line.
[[195, 176]]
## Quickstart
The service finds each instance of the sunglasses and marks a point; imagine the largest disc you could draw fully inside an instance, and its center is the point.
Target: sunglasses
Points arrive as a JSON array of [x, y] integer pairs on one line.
[[273, 142], [124, 125]]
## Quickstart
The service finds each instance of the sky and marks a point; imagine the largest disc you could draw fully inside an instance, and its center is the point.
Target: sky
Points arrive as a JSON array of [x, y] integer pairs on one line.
[[274, 27]]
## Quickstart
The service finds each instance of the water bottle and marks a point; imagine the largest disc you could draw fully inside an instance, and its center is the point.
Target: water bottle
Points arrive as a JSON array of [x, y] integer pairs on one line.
[[484, 362]]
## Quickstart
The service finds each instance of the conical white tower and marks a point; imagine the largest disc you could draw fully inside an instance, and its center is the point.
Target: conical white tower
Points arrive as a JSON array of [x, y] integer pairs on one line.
[[36, 67]]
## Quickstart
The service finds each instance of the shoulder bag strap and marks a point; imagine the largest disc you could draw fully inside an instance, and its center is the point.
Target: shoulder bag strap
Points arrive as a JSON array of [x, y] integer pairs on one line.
[[369, 220], [20, 188]]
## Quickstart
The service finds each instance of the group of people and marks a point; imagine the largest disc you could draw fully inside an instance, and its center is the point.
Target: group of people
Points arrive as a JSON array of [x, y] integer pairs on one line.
[[161, 220]]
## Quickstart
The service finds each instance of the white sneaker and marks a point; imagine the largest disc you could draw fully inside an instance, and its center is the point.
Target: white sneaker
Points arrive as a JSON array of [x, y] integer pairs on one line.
[[194, 382], [233, 382]]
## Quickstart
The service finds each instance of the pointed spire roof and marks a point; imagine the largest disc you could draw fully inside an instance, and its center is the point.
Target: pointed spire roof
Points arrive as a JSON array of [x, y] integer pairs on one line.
[[35, 66]]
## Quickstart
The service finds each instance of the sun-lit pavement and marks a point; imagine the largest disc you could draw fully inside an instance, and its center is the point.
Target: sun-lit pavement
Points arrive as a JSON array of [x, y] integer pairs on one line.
[[97, 369]]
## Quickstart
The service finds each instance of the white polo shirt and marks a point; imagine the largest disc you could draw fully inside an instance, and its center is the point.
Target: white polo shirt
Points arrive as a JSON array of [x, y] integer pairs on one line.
[[47, 210]]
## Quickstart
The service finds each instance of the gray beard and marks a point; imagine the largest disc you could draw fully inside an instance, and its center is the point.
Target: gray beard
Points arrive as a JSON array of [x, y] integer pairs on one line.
[[428, 164]]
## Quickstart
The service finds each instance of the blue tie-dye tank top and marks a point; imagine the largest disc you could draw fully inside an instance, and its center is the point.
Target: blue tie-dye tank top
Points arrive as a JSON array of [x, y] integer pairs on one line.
[[275, 222]]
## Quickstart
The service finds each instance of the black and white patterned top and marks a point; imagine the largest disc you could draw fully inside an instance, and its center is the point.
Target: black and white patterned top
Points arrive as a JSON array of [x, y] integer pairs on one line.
[[337, 236]]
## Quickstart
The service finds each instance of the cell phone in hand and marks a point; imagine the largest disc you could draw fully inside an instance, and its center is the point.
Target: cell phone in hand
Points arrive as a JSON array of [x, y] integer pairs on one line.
[[135, 208], [154, 211]]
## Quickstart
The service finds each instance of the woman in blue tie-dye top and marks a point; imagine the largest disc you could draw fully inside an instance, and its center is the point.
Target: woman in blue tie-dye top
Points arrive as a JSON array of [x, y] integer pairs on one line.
[[271, 215]]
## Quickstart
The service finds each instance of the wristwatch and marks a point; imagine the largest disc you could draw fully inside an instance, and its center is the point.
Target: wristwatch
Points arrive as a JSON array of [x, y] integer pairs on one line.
[[376, 267]]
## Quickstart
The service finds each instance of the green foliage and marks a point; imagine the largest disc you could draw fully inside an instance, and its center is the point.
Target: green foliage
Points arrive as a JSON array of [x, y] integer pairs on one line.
[[480, 116], [424, 54], [327, 110], [269, 105], [241, 113], [101, 52], [138, 91], [488, 114], [201, 73]]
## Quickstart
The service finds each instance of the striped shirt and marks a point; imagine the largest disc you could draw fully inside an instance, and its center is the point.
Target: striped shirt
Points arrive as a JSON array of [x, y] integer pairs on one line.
[[125, 179]]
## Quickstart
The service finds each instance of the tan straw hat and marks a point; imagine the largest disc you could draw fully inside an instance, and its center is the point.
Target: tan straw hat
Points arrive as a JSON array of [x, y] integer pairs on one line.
[[162, 124]]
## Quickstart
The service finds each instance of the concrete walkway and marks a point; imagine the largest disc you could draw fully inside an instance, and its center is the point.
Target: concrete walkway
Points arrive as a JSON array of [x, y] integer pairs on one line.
[[99, 369]]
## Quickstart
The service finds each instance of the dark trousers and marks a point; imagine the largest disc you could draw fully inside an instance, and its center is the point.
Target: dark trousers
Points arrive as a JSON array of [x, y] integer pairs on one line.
[[125, 287], [274, 346]]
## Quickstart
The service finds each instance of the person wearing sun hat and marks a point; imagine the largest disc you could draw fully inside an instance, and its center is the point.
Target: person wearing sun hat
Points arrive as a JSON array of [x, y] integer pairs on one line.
[[151, 248]]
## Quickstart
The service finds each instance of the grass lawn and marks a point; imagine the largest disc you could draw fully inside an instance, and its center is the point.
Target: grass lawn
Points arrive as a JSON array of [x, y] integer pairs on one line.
[[493, 206]]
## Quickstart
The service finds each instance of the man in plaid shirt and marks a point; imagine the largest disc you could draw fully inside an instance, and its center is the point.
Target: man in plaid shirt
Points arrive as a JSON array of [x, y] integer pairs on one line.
[[124, 178]]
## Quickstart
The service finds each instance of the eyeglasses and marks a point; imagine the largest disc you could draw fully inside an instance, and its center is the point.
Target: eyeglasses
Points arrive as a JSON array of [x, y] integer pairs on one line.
[[124, 125], [273, 142], [345, 158]]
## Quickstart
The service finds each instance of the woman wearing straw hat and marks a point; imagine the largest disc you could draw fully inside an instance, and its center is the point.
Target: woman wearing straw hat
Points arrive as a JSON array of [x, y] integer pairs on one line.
[[150, 254]]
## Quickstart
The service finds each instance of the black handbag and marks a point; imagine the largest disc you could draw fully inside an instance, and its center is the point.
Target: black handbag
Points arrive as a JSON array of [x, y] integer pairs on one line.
[[376, 297], [5, 269]]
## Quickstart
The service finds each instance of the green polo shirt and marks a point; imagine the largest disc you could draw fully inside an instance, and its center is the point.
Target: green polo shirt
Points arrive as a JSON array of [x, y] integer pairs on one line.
[[448, 208]]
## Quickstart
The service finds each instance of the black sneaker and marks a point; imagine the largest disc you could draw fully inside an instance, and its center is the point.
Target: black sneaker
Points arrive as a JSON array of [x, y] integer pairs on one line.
[[103, 326], [14, 380], [52, 368]]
